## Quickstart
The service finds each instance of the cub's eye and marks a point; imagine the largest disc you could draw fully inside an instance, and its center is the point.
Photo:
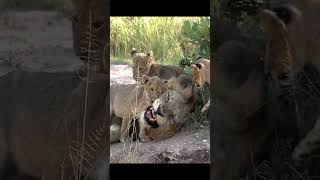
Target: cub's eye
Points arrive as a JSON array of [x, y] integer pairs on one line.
[[140, 69], [151, 89]]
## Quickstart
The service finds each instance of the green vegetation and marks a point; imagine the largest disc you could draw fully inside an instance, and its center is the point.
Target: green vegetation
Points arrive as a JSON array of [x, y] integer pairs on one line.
[[171, 39]]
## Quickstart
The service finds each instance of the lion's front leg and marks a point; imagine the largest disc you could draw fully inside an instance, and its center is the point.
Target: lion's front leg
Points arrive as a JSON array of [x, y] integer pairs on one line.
[[206, 107], [114, 133], [124, 133]]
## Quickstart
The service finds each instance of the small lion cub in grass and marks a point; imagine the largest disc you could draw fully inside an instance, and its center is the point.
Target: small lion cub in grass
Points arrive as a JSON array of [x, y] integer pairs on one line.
[[143, 64], [201, 74]]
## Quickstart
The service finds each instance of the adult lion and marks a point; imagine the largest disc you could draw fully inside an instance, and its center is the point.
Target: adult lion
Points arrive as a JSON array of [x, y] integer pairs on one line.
[[169, 111], [262, 101], [52, 125], [128, 100]]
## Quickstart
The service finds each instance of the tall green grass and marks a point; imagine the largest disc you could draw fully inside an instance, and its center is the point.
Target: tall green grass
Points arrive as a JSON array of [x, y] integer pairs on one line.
[[163, 35]]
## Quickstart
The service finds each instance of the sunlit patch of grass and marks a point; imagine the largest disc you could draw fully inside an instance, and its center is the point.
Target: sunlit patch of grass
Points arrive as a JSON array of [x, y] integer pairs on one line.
[[162, 35]]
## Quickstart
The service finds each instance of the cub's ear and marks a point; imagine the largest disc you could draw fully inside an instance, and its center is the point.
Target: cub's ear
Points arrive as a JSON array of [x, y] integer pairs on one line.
[[194, 68], [199, 65], [133, 52], [150, 54], [278, 57], [145, 79], [150, 57]]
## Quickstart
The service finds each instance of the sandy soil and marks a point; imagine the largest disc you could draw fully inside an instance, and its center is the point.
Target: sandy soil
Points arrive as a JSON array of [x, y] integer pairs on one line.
[[186, 146], [121, 74], [42, 41], [36, 40]]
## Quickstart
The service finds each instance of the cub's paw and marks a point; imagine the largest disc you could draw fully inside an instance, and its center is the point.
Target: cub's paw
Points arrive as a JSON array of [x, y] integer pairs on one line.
[[205, 109]]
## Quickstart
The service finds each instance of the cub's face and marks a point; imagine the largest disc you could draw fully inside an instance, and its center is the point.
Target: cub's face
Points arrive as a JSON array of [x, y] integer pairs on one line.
[[292, 38], [141, 63], [153, 87], [198, 74], [82, 24], [182, 84]]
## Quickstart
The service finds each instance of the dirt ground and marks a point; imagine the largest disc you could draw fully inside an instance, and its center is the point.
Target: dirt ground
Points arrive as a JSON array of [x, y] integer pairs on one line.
[[42, 41], [35, 40]]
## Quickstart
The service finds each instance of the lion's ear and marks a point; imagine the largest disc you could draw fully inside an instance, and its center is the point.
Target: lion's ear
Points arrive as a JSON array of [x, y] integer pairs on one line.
[[194, 68], [133, 52], [278, 57], [145, 79], [150, 54]]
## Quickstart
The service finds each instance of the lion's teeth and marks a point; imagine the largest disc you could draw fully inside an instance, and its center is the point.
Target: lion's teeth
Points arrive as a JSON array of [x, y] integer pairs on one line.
[[153, 115]]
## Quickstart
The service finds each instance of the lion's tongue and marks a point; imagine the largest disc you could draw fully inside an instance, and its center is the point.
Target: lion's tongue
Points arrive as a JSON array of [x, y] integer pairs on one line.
[[150, 115]]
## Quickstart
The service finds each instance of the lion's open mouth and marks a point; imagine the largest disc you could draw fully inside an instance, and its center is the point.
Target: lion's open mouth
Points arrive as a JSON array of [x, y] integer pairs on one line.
[[149, 116]]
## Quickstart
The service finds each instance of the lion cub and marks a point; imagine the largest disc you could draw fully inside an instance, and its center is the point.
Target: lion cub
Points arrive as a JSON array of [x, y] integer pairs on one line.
[[201, 74], [128, 100], [143, 65], [183, 84]]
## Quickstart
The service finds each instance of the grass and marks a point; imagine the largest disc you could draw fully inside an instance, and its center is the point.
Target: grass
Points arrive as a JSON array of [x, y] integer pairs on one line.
[[117, 61], [197, 119], [162, 35]]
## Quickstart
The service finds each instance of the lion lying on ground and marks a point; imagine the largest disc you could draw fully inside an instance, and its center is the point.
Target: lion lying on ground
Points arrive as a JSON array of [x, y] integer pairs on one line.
[[41, 125], [128, 100], [170, 111], [157, 128], [143, 65], [201, 74], [260, 102]]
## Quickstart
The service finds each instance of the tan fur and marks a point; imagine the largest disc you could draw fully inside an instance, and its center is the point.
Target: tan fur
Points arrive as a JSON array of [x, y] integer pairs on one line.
[[42, 121], [81, 26], [300, 44], [174, 109], [201, 75], [127, 100], [253, 106], [183, 84], [143, 65]]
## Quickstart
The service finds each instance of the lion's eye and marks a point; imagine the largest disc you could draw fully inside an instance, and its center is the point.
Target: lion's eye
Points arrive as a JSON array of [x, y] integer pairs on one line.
[[151, 89], [167, 97]]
